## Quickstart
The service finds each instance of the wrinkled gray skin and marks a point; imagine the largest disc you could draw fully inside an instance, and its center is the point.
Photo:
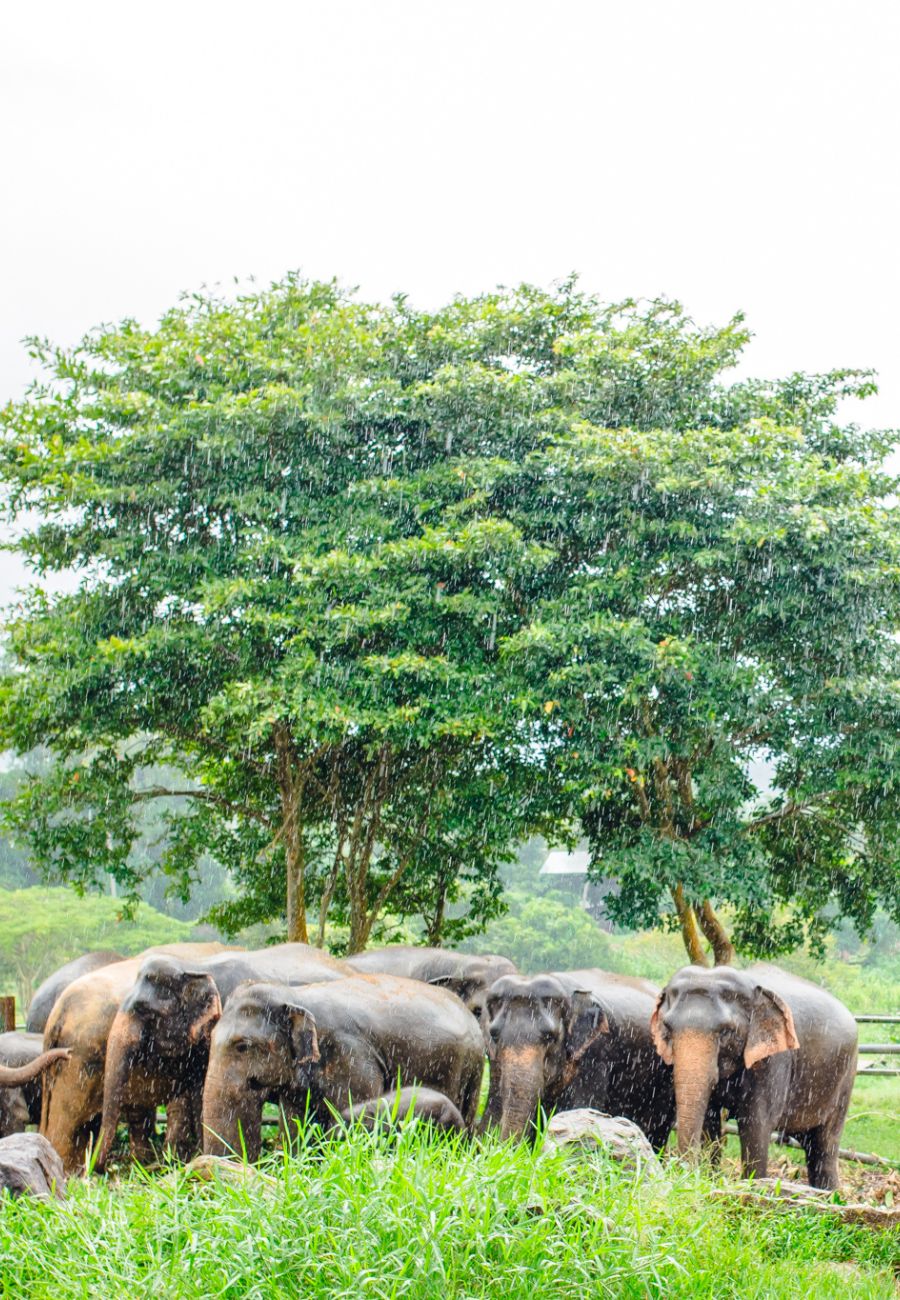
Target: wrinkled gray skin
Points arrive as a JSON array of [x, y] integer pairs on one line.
[[22, 1062], [398, 1107], [53, 985], [570, 1039], [776, 1052], [316, 1050], [158, 1045], [468, 975]]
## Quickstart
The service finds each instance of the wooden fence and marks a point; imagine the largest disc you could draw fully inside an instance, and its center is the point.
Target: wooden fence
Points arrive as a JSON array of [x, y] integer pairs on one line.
[[880, 1050]]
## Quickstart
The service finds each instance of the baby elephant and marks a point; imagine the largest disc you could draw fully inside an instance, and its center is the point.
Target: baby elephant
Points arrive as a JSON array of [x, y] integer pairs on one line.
[[398, 1107], [776, 1052]]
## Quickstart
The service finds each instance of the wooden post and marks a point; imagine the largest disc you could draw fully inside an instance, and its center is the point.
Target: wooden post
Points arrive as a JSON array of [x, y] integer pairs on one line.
[[7, 1014]]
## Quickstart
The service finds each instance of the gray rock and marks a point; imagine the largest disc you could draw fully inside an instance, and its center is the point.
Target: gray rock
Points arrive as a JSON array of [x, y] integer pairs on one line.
[[587, 1130], [28, 1163]]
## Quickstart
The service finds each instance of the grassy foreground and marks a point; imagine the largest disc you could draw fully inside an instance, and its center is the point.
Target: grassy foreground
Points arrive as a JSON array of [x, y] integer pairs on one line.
[[431, 1220]]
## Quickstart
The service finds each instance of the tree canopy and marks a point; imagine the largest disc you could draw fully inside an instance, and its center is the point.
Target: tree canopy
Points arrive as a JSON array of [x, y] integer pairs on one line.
[[394, 589]]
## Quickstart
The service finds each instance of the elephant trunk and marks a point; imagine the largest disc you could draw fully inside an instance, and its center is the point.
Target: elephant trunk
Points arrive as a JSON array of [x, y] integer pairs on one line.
[[696, 1054], [18, 1077], [232, 1119], [122, 1045], [521, 1087]]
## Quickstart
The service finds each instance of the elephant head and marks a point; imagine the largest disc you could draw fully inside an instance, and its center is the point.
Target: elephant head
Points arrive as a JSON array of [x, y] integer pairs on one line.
[[473, 981], [537, 1032], [709, 1024], [162, 1027], [265, 1045]]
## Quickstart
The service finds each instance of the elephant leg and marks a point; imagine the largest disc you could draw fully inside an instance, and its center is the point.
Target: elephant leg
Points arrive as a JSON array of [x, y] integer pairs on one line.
[[141, 1134], [71, 1145], [470, 1093], [755, 1131], [494, 1105], [714, 1135], [821, 1146], [291, 1115], [182, 1129]]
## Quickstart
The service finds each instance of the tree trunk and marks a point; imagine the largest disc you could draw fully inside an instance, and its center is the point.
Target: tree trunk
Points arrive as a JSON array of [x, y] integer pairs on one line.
[[690, 930], [325, 902], [296, 894], [712, 927], [360, 928], [291, 791], [434, 924]]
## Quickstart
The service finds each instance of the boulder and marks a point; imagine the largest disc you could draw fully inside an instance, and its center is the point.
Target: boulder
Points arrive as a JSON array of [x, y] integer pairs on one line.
[[28, 1163], [586, 1130]]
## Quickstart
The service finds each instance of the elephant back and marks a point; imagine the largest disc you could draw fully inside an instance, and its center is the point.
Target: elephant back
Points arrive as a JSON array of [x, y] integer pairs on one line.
[[48, 992]]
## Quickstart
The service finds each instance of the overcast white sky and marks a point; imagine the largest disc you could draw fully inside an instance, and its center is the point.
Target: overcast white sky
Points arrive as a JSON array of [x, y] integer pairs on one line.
[[735, 155]]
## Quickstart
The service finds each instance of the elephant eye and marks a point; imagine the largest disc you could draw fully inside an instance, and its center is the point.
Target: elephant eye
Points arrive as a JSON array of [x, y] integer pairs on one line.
[[241, 1045]]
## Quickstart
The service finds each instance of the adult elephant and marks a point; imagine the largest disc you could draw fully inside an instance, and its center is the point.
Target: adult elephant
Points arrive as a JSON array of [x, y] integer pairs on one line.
[[53, 985], [776, 1052], [158, 1046], [316, 1050], [22, 1062], [81, 1020], [575, 1038], [468, 975]]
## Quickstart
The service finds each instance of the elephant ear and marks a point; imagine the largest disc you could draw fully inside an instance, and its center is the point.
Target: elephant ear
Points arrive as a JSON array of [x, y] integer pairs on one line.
[[304, 1039], [463, 988], [587, 1022], [209, 1017], [771, 1028], [657, 1033]]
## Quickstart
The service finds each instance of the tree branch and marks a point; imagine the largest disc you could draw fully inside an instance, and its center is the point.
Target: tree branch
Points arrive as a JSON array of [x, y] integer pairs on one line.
[[207, 796]]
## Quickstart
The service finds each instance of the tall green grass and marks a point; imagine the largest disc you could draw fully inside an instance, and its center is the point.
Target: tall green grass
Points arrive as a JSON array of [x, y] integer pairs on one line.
[[428, 1220]]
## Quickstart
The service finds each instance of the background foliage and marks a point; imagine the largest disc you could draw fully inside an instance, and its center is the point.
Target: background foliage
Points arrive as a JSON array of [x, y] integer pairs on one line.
[[386, 591]]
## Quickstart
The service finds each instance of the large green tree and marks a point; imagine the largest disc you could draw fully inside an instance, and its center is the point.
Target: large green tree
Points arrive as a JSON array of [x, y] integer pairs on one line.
[[248, 613], [393, 588]]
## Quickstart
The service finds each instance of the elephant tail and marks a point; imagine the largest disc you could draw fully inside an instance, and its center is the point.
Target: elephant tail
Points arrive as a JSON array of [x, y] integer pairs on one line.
[[17, 1078]]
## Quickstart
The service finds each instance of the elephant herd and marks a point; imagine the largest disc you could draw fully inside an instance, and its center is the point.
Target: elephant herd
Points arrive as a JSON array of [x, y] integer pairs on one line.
[[213, 1033]]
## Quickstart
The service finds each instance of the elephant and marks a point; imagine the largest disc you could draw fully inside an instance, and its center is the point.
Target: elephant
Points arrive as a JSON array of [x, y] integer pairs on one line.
[[322, 1048], [776, 1052], [158, 1046], [466, 974], [53, 985], [404, 1104], [569, 1039], [81, 1019], [22, 1062]]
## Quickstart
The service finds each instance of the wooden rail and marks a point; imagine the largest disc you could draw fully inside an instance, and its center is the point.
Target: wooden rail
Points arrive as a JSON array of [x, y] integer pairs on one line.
[[878, 1049]]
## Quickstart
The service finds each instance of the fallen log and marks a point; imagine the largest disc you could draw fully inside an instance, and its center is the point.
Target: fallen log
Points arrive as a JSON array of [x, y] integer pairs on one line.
[[773, 1193]]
